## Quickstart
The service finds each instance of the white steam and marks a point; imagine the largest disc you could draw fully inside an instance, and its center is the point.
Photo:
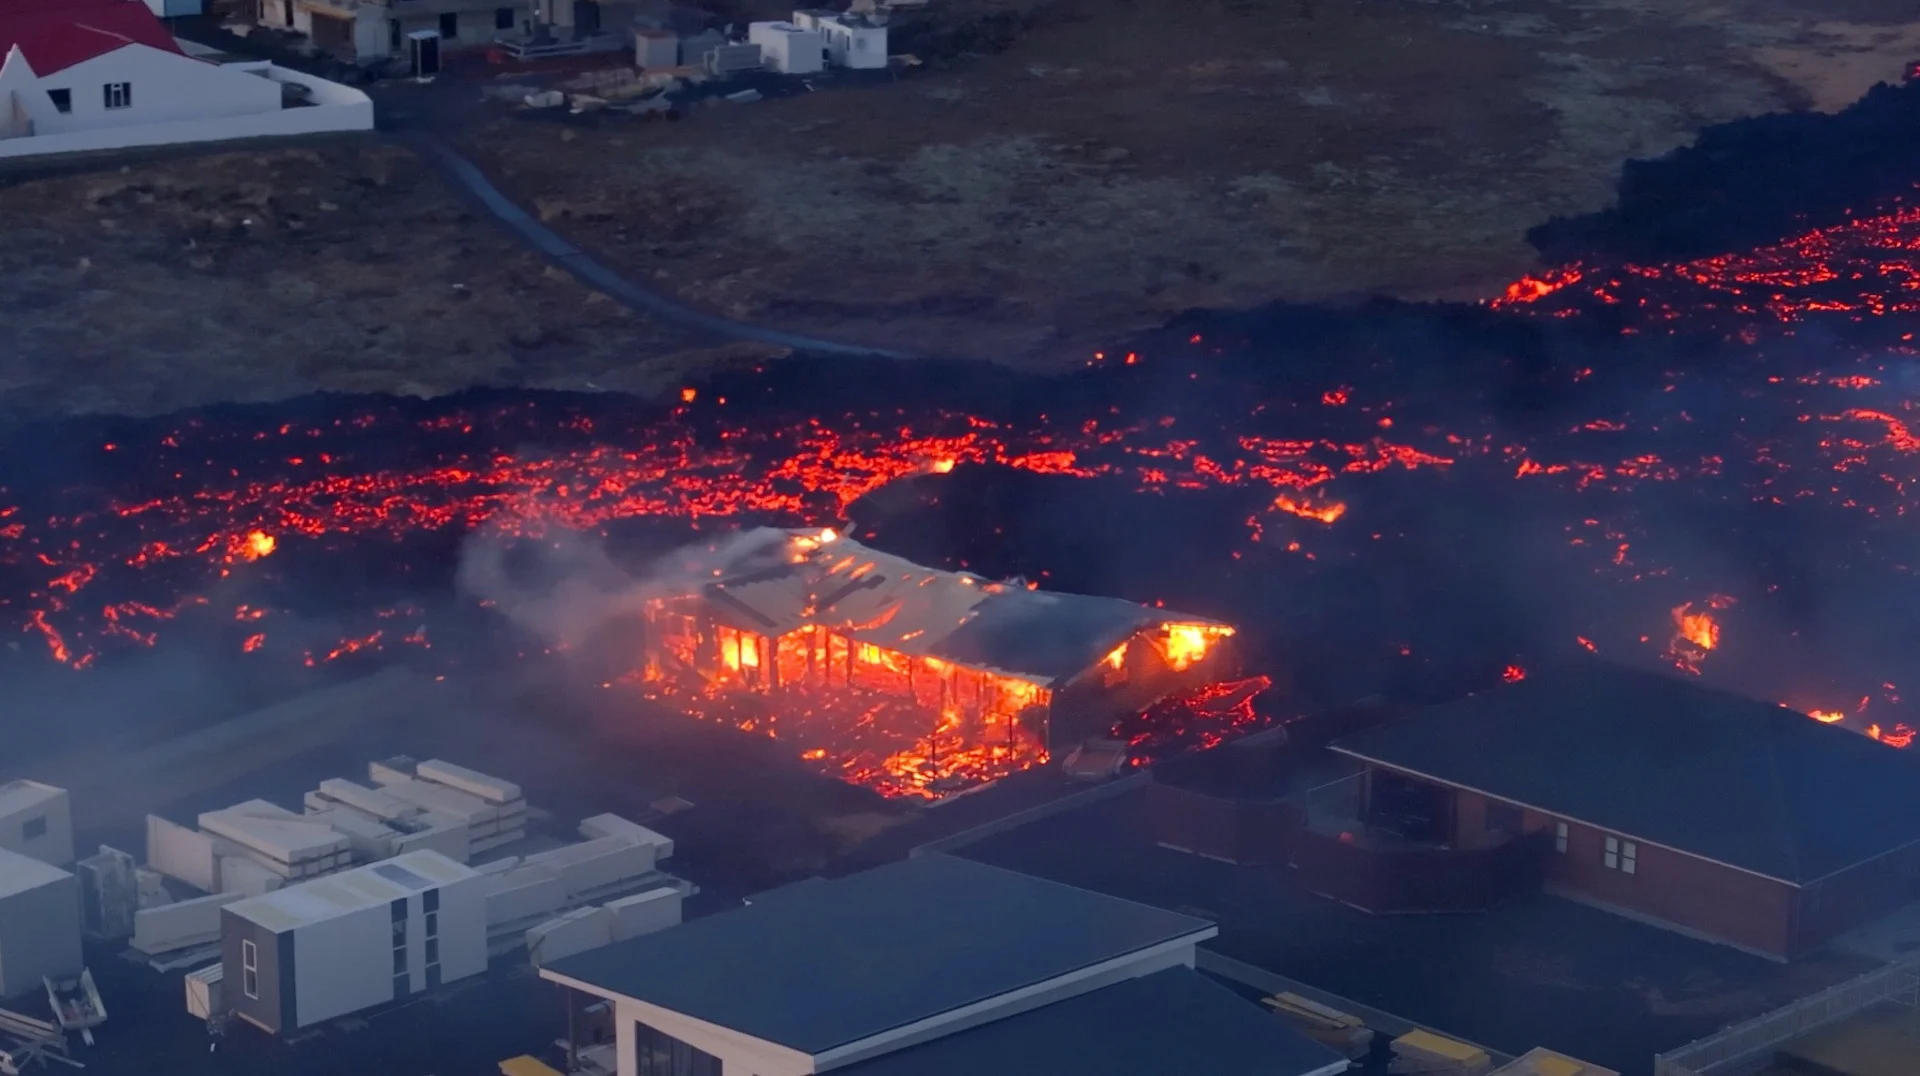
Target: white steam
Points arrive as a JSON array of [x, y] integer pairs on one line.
[[564, 587]]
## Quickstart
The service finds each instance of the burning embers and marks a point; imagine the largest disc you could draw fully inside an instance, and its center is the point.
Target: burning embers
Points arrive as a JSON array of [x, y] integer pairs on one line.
[[1696, 633], [912, 681]]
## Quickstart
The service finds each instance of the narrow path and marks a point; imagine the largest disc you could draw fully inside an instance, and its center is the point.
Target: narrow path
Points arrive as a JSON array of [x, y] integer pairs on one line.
[[605, 280]]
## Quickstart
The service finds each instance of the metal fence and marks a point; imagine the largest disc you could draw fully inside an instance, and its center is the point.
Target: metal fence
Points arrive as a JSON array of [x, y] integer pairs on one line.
[[1736, 1049]]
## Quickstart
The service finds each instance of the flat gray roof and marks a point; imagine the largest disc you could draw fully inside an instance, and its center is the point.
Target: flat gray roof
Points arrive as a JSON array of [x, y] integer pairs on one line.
[[1172, 1021], [827, 964]]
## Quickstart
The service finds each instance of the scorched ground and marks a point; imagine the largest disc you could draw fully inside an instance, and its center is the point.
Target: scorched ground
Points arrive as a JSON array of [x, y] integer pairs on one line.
[[1708, 464]]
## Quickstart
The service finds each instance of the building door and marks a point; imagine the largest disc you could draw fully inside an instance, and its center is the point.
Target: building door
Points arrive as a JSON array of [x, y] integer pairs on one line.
[[426, 53]]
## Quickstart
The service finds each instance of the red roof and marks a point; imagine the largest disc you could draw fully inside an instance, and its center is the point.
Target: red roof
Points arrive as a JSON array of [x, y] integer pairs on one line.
[[56, 34]]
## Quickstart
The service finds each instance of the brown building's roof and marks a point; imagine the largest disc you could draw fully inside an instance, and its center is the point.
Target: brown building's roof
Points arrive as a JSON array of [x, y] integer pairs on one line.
[[1744, 783]]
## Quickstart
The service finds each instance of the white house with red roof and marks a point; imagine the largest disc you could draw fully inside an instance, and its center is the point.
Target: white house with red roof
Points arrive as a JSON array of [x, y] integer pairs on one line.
[[107, 74]]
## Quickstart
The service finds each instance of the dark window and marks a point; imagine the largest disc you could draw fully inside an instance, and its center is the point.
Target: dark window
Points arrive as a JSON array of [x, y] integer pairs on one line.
[[62, 99], [1503, 818], [399, 909], [433, 924], [36, 826], [660, 1054], [433, 950], [449, 25], [433, 976], [393, 34], [118, 94], [399, 962], [430, 901], [503, 18]]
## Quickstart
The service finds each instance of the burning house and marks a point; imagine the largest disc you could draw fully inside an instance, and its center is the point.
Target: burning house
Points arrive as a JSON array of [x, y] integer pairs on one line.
[[913, 680]]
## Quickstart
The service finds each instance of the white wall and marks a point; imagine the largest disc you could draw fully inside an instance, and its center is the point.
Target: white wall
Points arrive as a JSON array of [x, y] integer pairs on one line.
[[342, 965], [166, 88], [39, 935], [336, 108], [463, 930]]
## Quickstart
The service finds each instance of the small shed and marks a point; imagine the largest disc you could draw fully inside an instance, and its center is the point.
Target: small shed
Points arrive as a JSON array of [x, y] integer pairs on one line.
[[36, 820], [39, 924], [789, 49]]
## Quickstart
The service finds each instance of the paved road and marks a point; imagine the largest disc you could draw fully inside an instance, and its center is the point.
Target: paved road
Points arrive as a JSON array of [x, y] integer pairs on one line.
[[597, 276]]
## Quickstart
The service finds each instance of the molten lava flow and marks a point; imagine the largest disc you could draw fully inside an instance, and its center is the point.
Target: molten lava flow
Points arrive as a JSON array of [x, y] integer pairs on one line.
[[1513, 674], [1200, 719], [1307, 508], [1827, 717]]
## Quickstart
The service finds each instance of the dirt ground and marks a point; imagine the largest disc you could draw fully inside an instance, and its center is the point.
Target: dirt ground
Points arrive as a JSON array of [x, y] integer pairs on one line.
[[1127, 159], [1058, 174], [259, 275]]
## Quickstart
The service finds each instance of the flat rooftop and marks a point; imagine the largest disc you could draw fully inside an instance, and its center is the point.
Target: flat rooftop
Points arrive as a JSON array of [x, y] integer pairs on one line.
[[22, 795], [334, 895], [19, 873], [1172, 1021], [824, 964]]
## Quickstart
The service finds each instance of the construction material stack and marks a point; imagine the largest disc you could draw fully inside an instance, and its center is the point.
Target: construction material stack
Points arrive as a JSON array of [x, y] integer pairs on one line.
[[1328, 1026], [1541, 1061], [291, 846], [1422, 1053], [493, 810]]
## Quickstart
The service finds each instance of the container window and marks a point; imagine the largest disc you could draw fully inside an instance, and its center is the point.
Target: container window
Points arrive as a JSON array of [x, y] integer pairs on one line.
[[250, 969], [35, 826], [1560, 837]]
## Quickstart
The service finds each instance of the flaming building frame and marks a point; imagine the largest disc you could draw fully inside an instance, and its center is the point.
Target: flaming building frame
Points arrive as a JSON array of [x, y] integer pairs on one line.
[[914, 680]]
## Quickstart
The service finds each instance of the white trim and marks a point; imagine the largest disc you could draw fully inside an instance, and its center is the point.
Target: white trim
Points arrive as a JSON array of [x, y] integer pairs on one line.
[[725, 1034], [1006, 1004], [1350, 753]]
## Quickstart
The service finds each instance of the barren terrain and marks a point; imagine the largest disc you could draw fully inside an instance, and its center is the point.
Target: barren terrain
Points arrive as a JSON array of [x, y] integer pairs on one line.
[[1111, 164], [257, 275], [1125, 160]]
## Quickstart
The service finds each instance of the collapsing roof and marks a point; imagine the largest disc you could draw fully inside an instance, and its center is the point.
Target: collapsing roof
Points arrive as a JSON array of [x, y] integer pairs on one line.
[[1745, 783], [1004, 628]]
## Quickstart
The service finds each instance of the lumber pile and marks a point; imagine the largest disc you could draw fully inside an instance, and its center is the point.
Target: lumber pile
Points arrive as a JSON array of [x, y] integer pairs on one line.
[[1328, 1026], [1422, 1053]]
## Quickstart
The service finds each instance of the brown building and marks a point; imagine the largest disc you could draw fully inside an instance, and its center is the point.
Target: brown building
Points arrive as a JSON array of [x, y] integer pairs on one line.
[[1708, 813]]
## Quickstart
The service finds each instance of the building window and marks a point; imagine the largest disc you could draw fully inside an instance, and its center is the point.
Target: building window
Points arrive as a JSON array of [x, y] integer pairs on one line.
[[503, 18], [36, 826], [1503, 818], [250, 969], [62, 100], [1622, 856], [1560, 837], [118, 94], [449, 25], [660, 1054]]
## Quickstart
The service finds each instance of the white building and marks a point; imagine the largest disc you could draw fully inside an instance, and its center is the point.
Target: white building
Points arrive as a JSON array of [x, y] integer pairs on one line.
[[789, 49], [854, 41], [106, 74], [36, 820], [39, 924], [935, 966], [312, 952]]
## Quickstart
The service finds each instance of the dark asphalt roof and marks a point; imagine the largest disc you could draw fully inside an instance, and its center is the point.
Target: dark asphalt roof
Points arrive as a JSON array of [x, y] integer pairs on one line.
[[826, 964], [1044, 634], [1742, 782], [1173, 1021]]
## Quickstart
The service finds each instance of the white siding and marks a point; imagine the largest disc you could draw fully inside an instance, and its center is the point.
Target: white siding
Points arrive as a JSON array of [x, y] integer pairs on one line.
[[342, 965], [165, 88], [463, 928]]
